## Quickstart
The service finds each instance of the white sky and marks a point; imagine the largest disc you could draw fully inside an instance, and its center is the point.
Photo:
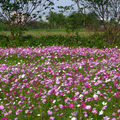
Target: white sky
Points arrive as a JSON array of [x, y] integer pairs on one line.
[[62, 3]]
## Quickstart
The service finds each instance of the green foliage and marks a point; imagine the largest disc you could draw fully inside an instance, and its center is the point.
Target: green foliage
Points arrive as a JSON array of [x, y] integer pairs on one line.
[[108, 13], [56, 20], [37, 25], [2, 27], [78, 20], [98, 41], [74, 21], [91, 21], [15, 14], [95, 40], [4, 41]]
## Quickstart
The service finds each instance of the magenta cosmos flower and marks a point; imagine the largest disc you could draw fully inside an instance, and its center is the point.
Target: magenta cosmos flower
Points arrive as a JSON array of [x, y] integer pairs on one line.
[[71, 105]]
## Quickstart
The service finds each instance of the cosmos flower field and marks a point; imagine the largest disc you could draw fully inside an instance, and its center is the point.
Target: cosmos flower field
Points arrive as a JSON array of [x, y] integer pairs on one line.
[[59, 83]]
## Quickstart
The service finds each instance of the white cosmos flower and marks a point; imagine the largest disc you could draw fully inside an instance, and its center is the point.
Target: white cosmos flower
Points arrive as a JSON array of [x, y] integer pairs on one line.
[[78, 105], [108, 80], [42, 57], [47, 63], [59, 87], [104, 103], [98, 92], [81, 96], [13, 103], [95, 51], [88, 107], [73, 118], [80, 67], [51, 108], [54, 101], [95, 95], [26, 111], [23, 75], [101, 112], [38, 114]]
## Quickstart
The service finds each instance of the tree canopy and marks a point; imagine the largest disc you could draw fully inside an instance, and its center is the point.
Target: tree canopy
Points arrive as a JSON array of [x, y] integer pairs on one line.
[[15, 14], [107, 11]]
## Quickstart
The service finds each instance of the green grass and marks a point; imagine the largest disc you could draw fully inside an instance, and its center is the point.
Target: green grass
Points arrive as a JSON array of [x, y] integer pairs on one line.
[[41, 32]]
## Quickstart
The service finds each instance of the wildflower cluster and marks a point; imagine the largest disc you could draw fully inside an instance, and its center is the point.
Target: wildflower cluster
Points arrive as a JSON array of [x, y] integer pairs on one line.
[[57, 82]]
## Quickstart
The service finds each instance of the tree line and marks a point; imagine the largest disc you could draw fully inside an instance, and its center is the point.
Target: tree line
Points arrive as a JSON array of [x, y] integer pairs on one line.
[[73, 21], [17, 14], [60, 21]]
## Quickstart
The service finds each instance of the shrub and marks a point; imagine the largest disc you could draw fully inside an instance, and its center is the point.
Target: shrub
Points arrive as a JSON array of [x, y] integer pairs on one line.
[[4, 41], [95, 40]]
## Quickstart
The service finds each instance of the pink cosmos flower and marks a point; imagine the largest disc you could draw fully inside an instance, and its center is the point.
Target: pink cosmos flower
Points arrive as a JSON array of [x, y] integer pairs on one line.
[[83, 104], [104, 107], [61, 94], [94, 111], [52, 118], [10, 111], [20, 96], [61, 106], [118, 74], [118, 111], [71, 105], [95, 96], [49, 112], [4, 118], [113, 114], [109, 99], [27, 111], [106, 118], [16, 119], [5, 114], [17, 112], [5, 67], [1, 107], [85, 115], [44, 101], [38, 103]]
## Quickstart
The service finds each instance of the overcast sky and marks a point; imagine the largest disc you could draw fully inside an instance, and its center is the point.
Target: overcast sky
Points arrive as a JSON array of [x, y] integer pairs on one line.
[[62, 3]]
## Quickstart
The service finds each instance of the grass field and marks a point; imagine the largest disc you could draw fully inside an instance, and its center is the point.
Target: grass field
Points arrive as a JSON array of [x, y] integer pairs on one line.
[[59, 83], [39, 32]]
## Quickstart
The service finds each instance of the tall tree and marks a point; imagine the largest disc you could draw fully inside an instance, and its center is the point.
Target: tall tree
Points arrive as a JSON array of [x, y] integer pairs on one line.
[[15, 14], [106, 10], [91, 21], [74, 21], [56, 20]]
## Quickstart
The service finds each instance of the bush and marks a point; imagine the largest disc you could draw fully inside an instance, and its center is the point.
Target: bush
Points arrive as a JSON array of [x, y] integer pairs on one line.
[[98, 41], [4, 41], [95, 40]]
